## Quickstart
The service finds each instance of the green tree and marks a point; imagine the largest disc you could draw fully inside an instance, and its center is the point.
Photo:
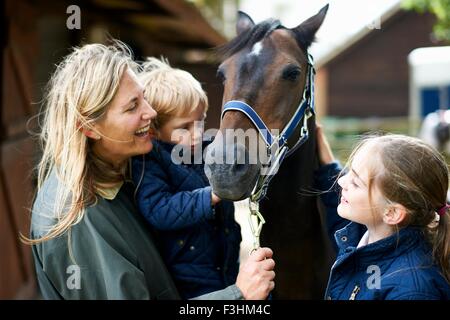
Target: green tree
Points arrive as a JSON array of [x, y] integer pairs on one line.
[[440, 8]]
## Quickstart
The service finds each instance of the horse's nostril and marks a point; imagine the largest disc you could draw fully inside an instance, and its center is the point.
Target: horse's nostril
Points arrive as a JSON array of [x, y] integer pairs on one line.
[[238, 168]]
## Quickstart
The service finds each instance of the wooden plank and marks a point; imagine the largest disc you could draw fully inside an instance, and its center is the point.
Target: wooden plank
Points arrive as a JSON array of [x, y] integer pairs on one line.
[[371, 77], [193, 19], [16, 152], [16, 163], [11, 276], [167, 29]]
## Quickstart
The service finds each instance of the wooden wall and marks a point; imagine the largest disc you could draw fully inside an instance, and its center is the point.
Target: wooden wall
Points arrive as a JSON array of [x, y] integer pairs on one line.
[[371, 78], [16, 148], [34, 39]]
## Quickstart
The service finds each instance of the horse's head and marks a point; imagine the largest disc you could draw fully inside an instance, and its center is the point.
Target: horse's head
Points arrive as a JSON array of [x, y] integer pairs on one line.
[[266, 67]]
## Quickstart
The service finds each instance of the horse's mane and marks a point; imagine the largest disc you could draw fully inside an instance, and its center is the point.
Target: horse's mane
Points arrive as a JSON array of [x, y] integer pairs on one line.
[[248, 38]]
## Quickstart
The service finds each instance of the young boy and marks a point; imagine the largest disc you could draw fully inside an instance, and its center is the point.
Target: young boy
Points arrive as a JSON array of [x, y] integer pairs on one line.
[[198, 235]]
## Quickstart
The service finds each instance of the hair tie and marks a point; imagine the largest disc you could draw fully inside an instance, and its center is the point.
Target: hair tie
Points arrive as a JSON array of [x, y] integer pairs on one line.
[[443, 209]]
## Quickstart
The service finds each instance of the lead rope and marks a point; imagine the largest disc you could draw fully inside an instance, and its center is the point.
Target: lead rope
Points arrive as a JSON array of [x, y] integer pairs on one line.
[[256, 221]]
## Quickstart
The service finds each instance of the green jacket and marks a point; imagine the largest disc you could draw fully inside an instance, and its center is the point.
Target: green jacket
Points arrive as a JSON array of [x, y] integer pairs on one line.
[[109, 254]]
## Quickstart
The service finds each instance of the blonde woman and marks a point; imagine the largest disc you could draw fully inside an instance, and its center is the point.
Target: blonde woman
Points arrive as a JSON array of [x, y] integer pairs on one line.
[[89, 241]]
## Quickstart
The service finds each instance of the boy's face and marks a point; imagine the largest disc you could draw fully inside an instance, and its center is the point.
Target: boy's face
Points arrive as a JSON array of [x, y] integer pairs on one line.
[[185, 129]]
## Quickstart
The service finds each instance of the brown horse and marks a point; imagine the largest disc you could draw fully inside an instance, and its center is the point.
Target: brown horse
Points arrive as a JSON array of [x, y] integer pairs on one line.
[[267, 67]]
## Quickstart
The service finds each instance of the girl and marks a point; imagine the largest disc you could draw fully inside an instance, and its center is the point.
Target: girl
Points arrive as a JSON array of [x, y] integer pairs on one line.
[[391, 226]]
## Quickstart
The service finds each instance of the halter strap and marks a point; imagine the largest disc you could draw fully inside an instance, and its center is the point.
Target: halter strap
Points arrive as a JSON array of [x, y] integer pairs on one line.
[[307, 104], [253, 116]]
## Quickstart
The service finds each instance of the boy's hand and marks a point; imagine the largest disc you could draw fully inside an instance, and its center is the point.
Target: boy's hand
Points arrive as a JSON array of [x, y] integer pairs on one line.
[[214, 198], [323, 147]]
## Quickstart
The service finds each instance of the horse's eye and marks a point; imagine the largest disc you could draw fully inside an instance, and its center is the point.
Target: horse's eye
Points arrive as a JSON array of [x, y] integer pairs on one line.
[[291, 74], [221, 75]]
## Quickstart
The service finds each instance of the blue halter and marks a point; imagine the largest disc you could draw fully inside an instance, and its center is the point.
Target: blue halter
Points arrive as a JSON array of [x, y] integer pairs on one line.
[[277, 146], [305, 108]]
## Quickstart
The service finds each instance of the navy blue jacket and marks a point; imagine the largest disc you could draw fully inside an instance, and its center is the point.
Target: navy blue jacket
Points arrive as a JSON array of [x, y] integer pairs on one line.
[[199, 244], [399, 267]]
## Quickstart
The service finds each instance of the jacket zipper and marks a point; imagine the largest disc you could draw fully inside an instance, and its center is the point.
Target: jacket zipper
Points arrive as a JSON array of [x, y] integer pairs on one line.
[[329, 280], [354, 293]]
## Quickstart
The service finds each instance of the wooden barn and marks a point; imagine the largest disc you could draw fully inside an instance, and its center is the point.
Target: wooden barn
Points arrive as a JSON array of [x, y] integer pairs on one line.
[[368, 76], [35, 37]]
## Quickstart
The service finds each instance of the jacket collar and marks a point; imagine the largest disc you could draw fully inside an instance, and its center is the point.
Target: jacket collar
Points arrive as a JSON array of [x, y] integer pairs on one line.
[[159, 144], [109, 192], [347, 240]]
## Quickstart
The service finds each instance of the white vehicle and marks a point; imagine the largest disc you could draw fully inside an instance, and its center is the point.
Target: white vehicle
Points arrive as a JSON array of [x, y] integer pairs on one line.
[[430, 95]]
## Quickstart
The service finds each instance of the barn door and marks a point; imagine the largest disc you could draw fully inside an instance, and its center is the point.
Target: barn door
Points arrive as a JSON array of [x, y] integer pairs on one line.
[[19, 51]]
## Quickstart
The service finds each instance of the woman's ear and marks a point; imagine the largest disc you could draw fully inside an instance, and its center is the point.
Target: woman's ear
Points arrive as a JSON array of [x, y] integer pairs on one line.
[[89, 133], [395, 214]]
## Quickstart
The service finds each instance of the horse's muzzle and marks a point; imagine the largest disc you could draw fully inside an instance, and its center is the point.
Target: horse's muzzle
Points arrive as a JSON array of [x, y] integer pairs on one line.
[[229, 171]]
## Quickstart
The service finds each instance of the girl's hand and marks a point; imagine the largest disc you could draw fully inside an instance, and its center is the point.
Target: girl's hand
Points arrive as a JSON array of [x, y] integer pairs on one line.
[[323, 147]]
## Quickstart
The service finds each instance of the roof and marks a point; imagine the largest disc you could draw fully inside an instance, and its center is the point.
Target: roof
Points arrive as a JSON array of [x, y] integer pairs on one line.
[[362, 33], [177, 22]]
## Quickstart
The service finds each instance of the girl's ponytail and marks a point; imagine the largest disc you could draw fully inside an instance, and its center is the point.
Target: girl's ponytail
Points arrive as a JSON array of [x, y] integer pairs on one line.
[[441, 242]]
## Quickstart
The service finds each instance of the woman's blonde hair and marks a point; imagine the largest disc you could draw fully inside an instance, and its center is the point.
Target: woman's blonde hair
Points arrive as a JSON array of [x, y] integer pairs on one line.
[[171, 92], [409, 172], [78, 95]]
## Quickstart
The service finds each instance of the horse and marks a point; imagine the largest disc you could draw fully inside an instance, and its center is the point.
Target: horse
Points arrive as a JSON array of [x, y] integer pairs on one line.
[[435, 130], [265, 71]]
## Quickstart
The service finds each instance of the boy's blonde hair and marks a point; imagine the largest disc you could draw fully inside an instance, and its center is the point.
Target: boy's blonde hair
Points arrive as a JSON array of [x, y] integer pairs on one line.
[[171, 92]]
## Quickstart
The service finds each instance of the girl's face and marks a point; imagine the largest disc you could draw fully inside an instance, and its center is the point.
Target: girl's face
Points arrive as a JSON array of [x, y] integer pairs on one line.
[[355, 204], [125, 127], [186, 130]]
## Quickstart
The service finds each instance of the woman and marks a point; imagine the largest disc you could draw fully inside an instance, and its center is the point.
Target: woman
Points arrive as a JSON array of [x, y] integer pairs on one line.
[[89, 241]]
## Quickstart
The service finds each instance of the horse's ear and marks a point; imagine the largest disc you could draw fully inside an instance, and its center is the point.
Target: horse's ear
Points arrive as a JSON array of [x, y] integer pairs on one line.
[[306, 31], [244, 23]]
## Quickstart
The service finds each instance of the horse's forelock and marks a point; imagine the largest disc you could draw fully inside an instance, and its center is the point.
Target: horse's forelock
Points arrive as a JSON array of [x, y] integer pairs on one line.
[[249, 38]]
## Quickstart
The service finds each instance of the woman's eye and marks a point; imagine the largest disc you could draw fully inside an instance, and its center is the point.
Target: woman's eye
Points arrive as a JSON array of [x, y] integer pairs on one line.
[[133, 107]]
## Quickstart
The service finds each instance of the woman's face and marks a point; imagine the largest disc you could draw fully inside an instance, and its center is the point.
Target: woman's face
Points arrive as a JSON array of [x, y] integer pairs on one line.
[[355, 204], [124, 130]]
